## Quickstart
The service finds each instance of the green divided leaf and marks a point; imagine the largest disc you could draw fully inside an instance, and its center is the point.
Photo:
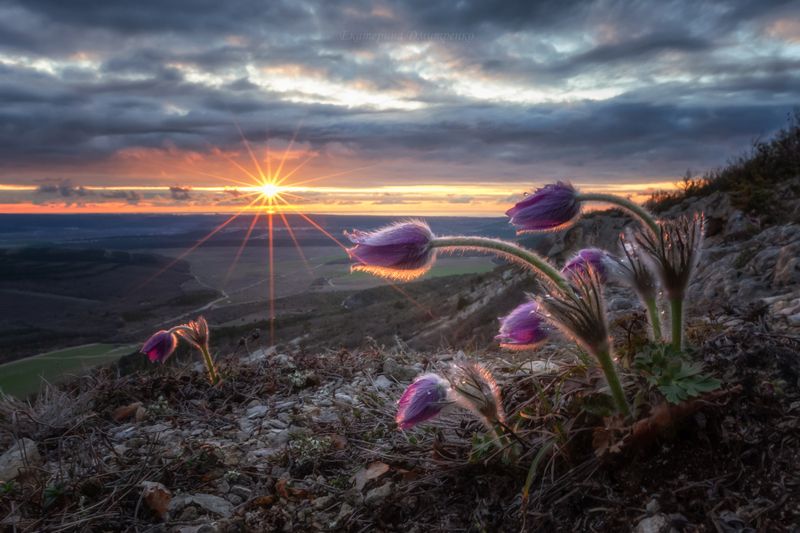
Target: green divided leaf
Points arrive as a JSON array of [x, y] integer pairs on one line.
[[677, 378]]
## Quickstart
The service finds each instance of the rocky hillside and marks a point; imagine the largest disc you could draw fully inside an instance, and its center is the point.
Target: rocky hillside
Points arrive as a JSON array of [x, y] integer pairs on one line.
[[747, 263], [300, 439]]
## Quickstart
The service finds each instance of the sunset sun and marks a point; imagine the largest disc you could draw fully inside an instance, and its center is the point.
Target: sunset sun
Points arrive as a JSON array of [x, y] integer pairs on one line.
[[270, 190]]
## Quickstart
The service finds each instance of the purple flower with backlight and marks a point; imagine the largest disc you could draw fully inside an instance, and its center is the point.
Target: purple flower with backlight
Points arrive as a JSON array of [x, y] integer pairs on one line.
[[160, 346], [422, 400], [599, 260], [550, 208], [523, 328], [401, 251]]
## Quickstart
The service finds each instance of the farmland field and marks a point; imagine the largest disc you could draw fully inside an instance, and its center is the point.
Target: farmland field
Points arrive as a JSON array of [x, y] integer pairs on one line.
[[23, 377], [325, 268]]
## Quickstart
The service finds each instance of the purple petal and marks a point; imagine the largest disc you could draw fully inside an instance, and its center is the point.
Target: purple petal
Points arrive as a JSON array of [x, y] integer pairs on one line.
[[523, 328], [160, 346], [552, 207], [598, 260], [401, 250], [422, 400]]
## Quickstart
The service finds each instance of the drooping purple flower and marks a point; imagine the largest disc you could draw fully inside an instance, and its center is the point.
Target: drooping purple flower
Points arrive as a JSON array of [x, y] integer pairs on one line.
[[400, 251], [599, 260], [553, 207], [422, 400], [523, 328], [160, 346]]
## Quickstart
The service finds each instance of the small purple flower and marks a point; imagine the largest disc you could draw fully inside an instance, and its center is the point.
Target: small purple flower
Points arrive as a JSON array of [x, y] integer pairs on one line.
[[523, 328], [401, 251], [422, 400], [160, 346], [553, 207], [599, 260]]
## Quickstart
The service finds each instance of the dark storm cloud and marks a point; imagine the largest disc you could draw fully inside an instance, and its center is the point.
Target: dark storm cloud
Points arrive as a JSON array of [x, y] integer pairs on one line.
[[63, 188], [179, 193], [692, 82], [131, 197]]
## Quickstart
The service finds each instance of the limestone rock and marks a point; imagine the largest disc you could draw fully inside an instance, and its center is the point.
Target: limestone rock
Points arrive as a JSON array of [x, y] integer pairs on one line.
[[209, 502], [24, 454]]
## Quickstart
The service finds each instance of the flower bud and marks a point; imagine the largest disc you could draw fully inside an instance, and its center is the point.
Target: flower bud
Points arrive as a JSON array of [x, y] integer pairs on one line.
[[553, 207], [602, 262], [400, 251], [422, 400], [523, 328], [160, 346]]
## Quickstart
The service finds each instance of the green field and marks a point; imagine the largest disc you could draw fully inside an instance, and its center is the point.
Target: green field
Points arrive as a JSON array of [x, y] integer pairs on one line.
[[24, 377]]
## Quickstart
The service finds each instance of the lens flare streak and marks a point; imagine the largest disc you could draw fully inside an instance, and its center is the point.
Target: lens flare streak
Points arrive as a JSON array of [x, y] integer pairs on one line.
[[274, 195]]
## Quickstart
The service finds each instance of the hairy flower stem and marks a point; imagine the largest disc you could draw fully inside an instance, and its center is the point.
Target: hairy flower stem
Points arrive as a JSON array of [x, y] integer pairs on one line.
[[607, 364], [655, 321], [213, 377], [507, 250], [632, 207], [676, 308]]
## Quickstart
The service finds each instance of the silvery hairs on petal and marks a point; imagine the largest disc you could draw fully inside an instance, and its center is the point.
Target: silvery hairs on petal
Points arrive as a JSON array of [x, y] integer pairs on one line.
[[675, 250], [580, 313]]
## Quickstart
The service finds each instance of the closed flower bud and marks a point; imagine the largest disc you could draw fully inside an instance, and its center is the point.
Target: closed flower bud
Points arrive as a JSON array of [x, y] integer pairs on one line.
[[523, 328], [553, 207], [160, 346], [605, 265], [400, 251], [422, 400]]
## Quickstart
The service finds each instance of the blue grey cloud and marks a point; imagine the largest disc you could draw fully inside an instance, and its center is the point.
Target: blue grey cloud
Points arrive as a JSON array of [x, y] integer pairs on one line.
[[561, 88]]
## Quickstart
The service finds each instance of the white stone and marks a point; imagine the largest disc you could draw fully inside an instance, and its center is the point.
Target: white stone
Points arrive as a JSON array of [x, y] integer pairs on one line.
[[22, 455]]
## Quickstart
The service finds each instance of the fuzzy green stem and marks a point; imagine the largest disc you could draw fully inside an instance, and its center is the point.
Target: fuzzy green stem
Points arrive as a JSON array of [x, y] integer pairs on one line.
[[617, 392], [508, 250], [213, 377], [655, 321], [676, 308], [632, 207]]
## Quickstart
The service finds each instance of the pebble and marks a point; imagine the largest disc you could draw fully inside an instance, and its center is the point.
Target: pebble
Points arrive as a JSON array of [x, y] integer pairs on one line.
[[398, 372], [257, 411], [377, 495], [209, 502], [382, 383]]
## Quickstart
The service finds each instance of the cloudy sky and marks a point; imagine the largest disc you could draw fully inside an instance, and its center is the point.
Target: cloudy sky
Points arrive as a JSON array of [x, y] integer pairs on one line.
[[409, 107]]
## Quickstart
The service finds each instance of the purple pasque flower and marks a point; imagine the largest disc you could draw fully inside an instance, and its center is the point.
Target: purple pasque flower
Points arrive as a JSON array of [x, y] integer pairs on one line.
[[523, 328], [552, 207], [160, 346], [599, 260], [422, 400], [402, 251]]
